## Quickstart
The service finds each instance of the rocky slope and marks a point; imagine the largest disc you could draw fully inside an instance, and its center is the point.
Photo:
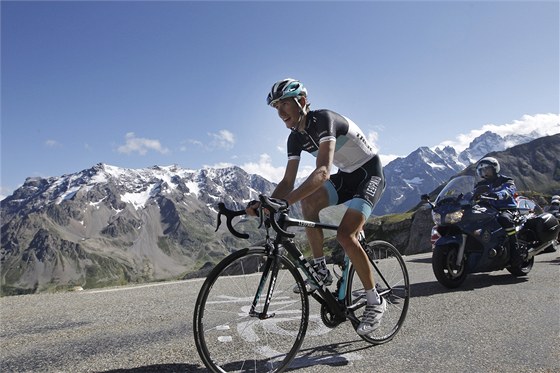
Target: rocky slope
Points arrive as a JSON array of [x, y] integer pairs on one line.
[[107, 225]]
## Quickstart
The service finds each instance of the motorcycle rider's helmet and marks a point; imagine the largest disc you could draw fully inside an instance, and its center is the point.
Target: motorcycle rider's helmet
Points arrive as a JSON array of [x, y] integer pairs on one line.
[[555, 200], [285, 88], [487, 167]]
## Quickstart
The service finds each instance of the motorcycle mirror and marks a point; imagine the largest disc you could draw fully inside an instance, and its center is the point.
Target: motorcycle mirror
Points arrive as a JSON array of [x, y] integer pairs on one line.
[[426, 198]]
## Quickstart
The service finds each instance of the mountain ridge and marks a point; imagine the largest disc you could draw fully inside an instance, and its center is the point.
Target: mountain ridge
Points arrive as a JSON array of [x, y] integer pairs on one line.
[[426, 168], [107, 225]]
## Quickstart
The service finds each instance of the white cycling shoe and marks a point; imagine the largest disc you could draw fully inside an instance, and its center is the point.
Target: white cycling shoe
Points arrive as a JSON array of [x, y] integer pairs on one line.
[[371, 318], [310, 286]]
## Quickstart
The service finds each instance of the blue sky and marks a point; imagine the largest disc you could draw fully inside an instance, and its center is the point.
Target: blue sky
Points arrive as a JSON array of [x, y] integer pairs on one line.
[[136, 83]]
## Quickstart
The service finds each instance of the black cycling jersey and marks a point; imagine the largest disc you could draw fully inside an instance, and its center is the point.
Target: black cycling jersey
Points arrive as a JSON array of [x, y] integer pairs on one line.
[[352, 148]]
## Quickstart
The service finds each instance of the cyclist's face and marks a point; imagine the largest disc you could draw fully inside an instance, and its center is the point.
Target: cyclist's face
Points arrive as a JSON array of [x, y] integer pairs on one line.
[[288, 111]]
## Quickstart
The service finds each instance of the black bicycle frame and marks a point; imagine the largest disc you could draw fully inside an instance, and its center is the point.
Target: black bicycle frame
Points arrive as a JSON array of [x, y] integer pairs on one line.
[[324, 297]]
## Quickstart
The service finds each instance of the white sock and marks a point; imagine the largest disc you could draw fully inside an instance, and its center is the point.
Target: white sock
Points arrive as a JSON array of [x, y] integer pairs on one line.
[[373, 297]]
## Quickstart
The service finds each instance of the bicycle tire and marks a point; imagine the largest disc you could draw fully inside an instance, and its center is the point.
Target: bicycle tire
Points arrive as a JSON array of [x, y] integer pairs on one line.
[[227, 338], [392, 281]]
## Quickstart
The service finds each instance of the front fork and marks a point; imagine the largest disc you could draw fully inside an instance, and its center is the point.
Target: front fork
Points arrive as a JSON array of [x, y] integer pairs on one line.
[[271, 268], [461, 251]]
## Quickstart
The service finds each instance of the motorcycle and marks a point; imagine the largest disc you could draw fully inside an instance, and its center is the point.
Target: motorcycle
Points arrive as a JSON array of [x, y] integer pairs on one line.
[[471, 239]]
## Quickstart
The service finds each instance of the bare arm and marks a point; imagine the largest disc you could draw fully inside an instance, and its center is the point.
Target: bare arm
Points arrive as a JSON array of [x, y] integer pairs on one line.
[[286, 185], [318, 176]]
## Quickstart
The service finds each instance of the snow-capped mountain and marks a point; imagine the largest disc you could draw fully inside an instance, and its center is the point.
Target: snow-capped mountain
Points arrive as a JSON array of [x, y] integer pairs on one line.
[[492, 142], [137, 187], [426, 168], [408, 178], [108, 225]]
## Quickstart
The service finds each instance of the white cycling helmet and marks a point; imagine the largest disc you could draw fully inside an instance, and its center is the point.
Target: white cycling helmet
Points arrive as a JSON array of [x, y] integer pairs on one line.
[[487, 163], [285, 88], [555, 200]]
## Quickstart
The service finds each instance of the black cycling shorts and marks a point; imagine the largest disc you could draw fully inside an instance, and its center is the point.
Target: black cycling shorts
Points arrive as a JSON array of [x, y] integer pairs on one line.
[[361, 188]]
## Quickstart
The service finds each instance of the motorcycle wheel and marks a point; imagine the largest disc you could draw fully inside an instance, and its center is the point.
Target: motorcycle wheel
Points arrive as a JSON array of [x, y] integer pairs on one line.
[[522, 269], [444, 259]]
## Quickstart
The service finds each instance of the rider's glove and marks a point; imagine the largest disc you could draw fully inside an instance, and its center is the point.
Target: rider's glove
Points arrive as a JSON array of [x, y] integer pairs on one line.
[[480, 190], [492, 195]]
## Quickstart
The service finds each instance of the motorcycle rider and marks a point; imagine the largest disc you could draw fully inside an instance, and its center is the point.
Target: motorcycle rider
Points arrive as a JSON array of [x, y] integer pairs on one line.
[[501, 190], [554, 207]]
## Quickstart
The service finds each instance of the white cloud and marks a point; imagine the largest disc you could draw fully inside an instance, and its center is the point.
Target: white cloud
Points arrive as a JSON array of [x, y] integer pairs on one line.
[[219, 165], [185, 144], [140, 145], [265, 169], [386, 158], [541, 124], [372, 137], [224, 139], [52, 143]]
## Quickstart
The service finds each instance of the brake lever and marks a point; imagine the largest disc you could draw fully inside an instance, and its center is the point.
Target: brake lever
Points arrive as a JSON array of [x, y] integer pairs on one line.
[[266, 201]]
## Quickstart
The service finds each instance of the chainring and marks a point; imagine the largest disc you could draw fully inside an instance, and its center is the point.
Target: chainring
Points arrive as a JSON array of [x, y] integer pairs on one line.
[[328, 318]]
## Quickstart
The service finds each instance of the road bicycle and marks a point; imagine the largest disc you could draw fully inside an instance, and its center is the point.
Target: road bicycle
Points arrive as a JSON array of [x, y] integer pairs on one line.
[[248, 316]]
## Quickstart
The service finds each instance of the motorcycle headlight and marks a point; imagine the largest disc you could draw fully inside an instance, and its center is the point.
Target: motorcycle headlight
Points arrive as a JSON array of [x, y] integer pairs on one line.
[[436, 217], [454, 217]]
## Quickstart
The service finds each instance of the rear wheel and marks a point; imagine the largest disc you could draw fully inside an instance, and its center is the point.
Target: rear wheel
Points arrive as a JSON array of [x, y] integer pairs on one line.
[[231, 339], [446, 270], [392, 283], [522, 269]]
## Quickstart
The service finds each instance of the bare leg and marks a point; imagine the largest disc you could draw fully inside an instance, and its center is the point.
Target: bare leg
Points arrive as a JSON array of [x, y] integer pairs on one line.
[[351, 224], [311, 207]]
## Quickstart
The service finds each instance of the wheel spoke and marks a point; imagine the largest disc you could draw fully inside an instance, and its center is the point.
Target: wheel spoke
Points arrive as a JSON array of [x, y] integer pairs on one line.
[[392, 283], [228, 338]]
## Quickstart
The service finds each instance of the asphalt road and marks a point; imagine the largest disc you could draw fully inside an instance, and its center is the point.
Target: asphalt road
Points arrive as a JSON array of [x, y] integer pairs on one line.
[[494, 323]]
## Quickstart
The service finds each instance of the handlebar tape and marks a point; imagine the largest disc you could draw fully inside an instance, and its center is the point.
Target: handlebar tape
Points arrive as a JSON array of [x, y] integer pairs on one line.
[[230, 214]]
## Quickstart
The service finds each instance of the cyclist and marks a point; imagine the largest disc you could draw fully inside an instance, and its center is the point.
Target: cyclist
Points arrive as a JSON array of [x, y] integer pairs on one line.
[[334, 140]]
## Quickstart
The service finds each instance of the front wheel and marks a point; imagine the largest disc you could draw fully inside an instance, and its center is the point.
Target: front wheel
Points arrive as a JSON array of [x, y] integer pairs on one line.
[[391, 282], [231, 338], [444, 265]]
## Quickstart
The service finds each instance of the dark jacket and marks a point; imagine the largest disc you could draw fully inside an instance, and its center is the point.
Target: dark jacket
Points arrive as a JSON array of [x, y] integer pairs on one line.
[[504, 188]]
